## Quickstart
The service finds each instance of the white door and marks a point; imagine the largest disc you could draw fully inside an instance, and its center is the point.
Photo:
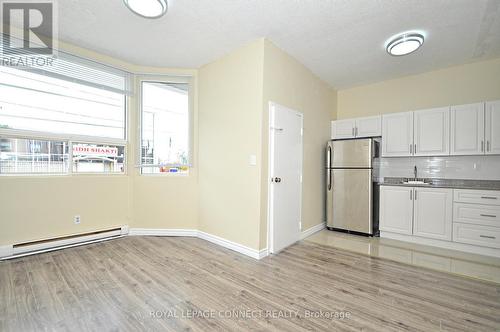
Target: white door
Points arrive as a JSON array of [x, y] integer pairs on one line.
[[369, 127], [433, 213], [431, 129], [492, 127], [285, 171], [467, 129], [343, 129], [396, 209], [397, 134]]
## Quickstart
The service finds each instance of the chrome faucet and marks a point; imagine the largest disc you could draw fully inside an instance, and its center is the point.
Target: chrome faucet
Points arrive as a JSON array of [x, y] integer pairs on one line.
[[415, 171]]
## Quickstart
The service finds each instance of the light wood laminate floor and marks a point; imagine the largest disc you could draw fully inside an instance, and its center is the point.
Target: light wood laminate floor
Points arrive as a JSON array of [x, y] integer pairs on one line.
[[118, 284]]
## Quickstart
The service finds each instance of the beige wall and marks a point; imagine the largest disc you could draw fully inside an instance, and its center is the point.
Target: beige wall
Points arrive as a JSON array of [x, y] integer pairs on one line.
[[463, 84], [289, 83], [39, 207], [230, 101]]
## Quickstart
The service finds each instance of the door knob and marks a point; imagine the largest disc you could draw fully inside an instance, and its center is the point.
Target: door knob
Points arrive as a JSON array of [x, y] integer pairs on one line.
[[277, 180]]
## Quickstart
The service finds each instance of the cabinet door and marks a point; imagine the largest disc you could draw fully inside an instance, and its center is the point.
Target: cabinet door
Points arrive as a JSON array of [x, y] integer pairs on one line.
[[397, 134], [492, 127], [467, 129], [431, 130], [343, 129], [433, 213], [396, 209], [369, 126]]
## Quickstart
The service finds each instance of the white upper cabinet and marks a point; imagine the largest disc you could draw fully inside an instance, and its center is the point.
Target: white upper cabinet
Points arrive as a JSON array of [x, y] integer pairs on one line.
[[433, 213], [369, 126], [467, 129], [492, 127], [397, 134], [431, 130], [357, 128], [342, 129]]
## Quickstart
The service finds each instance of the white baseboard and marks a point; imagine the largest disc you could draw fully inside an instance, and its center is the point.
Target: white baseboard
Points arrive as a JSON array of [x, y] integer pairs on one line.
[[442, 244], [162, 232], [310, 231], [6, 251], [254, 253]]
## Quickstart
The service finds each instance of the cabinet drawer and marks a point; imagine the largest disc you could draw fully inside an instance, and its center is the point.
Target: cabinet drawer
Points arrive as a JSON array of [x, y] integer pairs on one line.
[[487, 215], [485, 236], [487, 197]]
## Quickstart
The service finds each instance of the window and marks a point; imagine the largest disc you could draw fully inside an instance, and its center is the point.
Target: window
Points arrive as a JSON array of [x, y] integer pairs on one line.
[[33, 156], [69, 116], [165, 127], [93, 158], [29, 101]]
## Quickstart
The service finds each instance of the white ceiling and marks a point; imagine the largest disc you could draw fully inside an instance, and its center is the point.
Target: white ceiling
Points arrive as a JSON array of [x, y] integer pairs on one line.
[[342, 41]]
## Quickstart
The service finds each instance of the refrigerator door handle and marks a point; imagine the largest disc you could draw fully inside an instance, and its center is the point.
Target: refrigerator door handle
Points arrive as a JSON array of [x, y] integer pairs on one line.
[[329, 176], [329, 157]]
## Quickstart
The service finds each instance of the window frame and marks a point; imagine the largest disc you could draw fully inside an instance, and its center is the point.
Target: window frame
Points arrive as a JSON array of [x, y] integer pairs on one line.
[[72, 139], [188, 79]]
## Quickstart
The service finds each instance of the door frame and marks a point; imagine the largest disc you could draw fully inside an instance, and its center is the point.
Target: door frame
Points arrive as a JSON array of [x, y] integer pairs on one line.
[[270, 151]]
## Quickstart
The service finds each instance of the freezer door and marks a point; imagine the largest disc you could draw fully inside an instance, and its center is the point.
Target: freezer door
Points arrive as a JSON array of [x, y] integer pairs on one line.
[[350, 200], [352, 153]]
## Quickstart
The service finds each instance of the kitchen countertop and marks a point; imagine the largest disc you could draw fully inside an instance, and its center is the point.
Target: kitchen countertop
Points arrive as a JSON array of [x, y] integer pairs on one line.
[[445, 183]]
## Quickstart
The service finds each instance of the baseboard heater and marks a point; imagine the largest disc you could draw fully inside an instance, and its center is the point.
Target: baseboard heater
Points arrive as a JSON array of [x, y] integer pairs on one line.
[[39, 246]]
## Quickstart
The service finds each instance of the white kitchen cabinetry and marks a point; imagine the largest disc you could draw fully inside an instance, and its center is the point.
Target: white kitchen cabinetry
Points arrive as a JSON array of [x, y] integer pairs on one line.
[[492, 127], [433, 213], [396, 209], [369, 126], [458, 219], [467, 129], [342, 129], [425, 212], [397, 134], [357, 128], [431, 130]]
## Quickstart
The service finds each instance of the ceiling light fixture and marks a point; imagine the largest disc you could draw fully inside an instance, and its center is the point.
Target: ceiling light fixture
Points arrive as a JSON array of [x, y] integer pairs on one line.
[[404, 43], [147, 8]]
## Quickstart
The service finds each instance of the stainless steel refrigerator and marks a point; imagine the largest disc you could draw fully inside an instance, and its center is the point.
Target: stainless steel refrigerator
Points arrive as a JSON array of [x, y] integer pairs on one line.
[[349, 185]]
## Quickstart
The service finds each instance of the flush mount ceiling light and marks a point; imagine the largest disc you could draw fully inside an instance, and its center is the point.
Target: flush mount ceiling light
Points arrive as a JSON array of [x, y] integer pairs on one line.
[[147, 8], [404, 43]]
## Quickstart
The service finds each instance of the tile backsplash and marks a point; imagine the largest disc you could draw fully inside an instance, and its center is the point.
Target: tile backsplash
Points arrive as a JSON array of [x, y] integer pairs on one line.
[[452, 167]]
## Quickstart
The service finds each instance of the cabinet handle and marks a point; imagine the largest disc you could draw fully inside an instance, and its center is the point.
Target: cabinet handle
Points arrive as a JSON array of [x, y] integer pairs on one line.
[[411, 147], [487, 237], [488, 197], [353, 131], [482, 146], [415, 194], [411, 195], [488, 148], [488, 215], [356, 132]]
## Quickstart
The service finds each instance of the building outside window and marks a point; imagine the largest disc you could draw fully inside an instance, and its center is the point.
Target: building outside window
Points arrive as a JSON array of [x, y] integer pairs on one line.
[[67, 118], [165, 126]]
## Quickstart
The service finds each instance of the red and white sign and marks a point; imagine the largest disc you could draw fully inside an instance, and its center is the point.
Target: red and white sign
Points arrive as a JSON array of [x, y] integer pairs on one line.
[[94, 151]]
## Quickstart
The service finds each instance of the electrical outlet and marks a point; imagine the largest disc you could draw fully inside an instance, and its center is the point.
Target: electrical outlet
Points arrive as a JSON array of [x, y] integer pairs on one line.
[[77, 220]]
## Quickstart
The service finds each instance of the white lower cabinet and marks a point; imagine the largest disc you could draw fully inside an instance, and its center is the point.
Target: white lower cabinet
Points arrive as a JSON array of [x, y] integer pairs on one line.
[[396, 209], [461, 219], [432, 216], [425, 212]]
